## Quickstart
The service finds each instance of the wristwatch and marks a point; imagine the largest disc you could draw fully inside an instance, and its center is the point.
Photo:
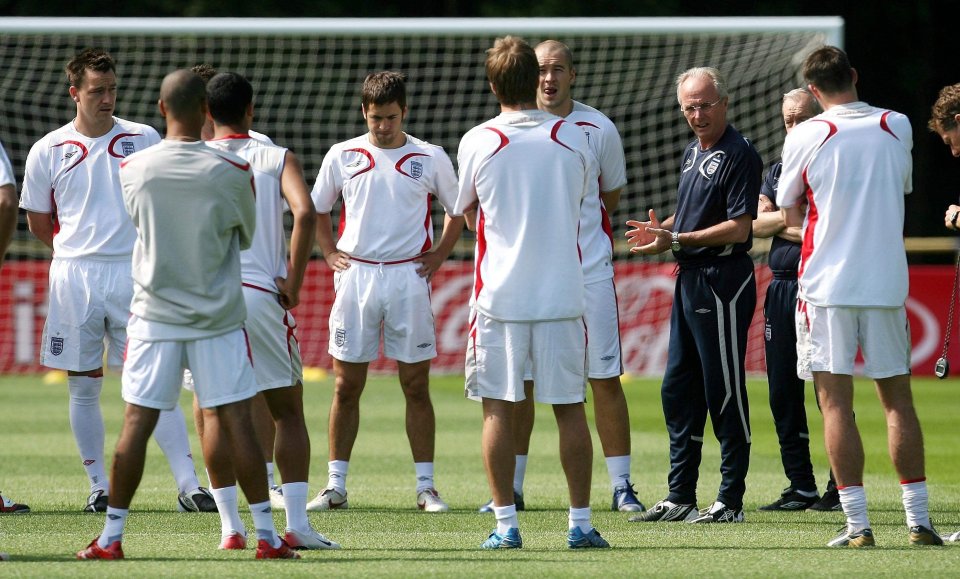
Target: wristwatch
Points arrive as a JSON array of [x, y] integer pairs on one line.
[[675, 241]]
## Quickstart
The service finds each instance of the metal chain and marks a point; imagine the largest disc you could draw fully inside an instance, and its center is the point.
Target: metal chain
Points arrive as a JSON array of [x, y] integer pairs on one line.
[[950, 312]]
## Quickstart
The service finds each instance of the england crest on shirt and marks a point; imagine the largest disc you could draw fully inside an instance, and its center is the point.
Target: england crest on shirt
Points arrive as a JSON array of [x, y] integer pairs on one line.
[[127, 147], [709, 166], [416, 169]]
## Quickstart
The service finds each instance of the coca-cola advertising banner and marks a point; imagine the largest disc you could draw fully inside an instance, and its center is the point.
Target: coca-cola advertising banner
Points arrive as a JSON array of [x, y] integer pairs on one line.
[[644, 291]]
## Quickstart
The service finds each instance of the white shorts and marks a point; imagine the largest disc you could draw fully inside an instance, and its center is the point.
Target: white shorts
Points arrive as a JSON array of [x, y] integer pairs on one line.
[[220, 365], [602, 319], [273, 340], [828, 338], [498, 352], [89, 306], [391, 298]]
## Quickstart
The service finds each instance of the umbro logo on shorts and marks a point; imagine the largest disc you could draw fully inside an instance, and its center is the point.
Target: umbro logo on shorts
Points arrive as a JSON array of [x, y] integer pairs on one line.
[[88, 462], [56, 346], [605, 358], [424, 345], [703, 311]]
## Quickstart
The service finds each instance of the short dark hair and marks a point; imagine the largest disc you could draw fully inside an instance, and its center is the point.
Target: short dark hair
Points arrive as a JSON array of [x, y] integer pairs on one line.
[[383, 88], [204, 71], [95, 59], [944, 112], [513, 70], [228, 96], [829, 70]]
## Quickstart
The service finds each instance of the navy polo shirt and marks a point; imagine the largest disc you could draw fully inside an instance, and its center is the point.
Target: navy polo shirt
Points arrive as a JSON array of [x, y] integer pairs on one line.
[[717, 184], [784, 255]]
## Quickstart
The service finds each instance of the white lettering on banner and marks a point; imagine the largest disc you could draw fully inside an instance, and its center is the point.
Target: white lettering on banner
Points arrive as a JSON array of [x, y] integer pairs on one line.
[[644, 332], [929, 342], [23, 322]]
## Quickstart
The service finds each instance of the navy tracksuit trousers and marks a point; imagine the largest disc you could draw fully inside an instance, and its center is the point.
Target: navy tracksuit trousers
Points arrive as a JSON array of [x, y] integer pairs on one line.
[[786, 390], [712, 310]]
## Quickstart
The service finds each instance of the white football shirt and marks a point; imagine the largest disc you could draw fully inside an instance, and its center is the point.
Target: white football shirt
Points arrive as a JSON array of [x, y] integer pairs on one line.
[[194, 211], [530, 171], [267, 257], [6, 169], [75, 178], [386, 196], [596, 232], [852, 163]]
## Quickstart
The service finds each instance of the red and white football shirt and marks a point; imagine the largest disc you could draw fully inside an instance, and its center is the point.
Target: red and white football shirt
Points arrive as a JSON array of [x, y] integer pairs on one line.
[[529, 170], [596, 232], [852, 164], [75, 178], [267, 257], [386, 196]]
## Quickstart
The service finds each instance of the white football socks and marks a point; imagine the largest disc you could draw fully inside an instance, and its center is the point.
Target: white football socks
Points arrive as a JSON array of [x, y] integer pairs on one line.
[[113, 528], [424, 472], [226, 499], [519, 473], [853, 499], [171, 436], [263, 521], [915, 503], [337, 475], [295, 503], [86, 421], [618, 467], [271, 482], [506, 518], [580, 518]]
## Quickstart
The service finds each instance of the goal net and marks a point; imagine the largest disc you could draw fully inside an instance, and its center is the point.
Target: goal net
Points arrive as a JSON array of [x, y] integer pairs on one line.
[[307, 75]]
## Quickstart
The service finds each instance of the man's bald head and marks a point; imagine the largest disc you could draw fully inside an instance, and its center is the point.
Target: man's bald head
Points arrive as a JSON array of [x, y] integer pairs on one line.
[[183, 96]]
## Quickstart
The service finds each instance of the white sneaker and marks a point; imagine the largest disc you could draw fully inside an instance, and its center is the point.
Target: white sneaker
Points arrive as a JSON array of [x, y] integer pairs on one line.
[[276, 498], [429, 500], [327, 500], [311, 540], [954, 537]]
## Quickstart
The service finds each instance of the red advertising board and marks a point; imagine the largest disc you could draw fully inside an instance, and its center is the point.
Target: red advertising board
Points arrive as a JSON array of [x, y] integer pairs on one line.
[[644, 291]]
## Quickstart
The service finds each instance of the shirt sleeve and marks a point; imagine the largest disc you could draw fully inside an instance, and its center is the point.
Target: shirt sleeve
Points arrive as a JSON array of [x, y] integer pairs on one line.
[[798, 149], [445, 186], [741, 181], [468, 161], [247, 208], [6, 169], [329, 182], [37, 183], [613, 166]]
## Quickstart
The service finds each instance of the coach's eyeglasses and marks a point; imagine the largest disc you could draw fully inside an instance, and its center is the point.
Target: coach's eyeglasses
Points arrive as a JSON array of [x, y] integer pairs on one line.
[[690, 110]]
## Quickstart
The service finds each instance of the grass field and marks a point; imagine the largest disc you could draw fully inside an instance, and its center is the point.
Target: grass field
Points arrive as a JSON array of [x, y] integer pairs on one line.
[[384, 535]]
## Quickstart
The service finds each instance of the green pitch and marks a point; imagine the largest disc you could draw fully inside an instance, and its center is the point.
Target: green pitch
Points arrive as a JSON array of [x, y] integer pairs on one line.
[[384, 535]]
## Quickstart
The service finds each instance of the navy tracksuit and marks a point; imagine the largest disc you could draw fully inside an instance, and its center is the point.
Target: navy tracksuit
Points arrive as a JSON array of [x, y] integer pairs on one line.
[[713, 306]]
